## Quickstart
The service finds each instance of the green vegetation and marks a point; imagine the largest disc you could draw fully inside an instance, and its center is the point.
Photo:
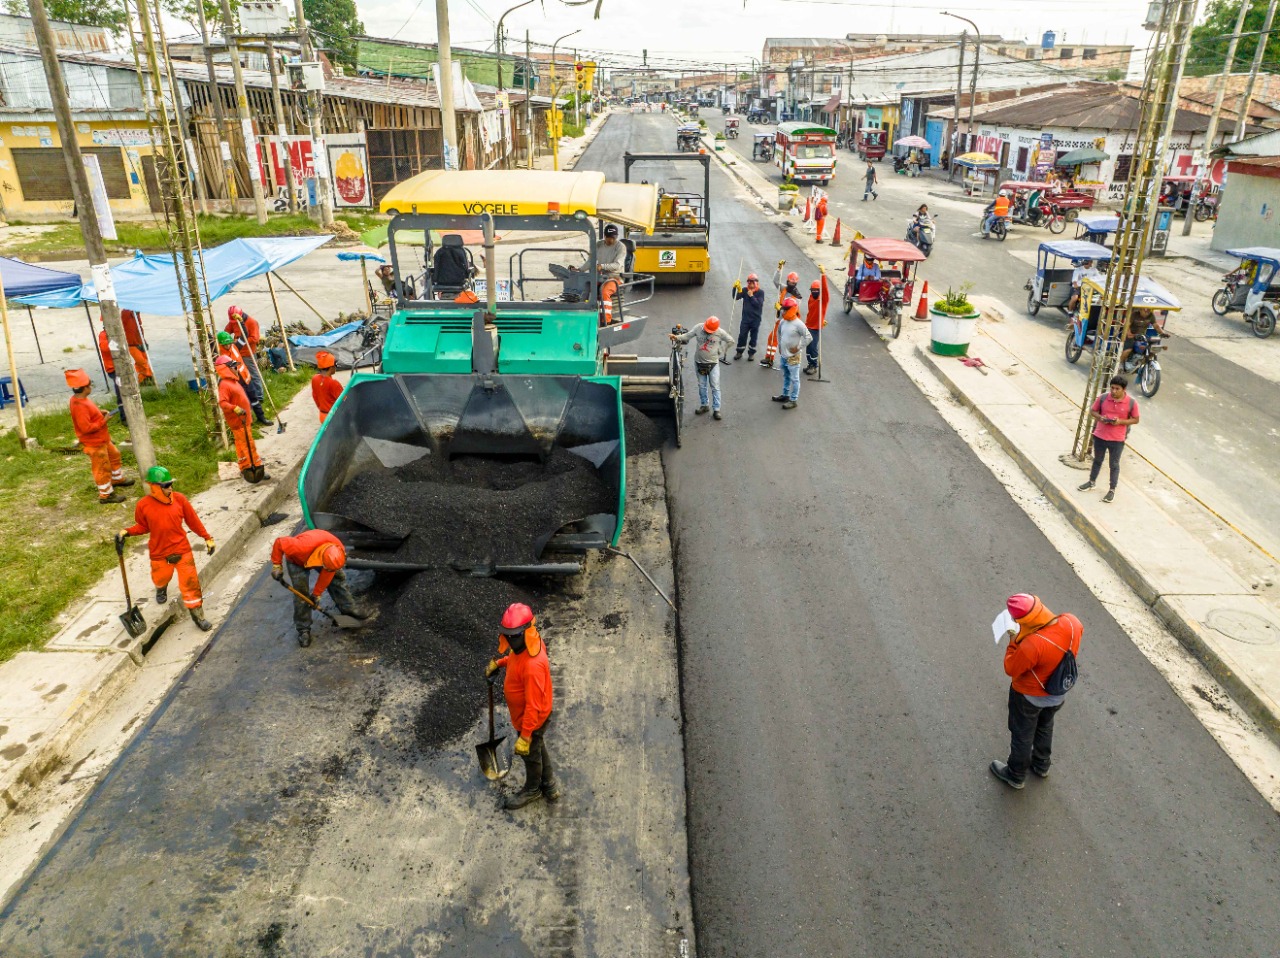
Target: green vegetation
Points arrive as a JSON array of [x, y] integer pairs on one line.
[[1209, 41], [55, 540], [47, 241], [109, 15], [956, 302], [335, 24]]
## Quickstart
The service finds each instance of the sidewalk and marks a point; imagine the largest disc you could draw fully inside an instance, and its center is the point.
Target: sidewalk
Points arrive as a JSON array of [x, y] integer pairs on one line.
[[48, 698]]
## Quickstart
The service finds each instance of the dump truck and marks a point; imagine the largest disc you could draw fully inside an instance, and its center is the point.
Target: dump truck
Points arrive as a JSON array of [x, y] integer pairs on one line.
[[677, 251], [506, 364]]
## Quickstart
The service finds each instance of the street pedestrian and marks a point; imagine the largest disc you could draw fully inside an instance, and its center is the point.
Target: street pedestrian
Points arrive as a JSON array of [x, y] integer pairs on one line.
[[90, 424], [109, 367], [252, 385], [1114, 413], [816, 318], [162, 514], [752, 312], [1034, 653], [234, 403], [820, 215], [792, 338], [530, 699], [325, 390], [710, 345], [323, 552], [872, 180]]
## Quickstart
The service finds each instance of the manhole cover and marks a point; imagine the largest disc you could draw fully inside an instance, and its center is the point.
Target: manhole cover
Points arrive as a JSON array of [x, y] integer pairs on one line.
[[1244, 627]]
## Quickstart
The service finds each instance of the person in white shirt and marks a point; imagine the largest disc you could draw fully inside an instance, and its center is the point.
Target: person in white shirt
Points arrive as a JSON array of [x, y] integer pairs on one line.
[[1085, 270], [793, 337]]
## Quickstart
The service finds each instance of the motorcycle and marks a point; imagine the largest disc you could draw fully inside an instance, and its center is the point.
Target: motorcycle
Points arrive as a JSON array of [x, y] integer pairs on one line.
[[922, 235], [999, 229], [1043, 213], [1206, 208], [1143, 363]]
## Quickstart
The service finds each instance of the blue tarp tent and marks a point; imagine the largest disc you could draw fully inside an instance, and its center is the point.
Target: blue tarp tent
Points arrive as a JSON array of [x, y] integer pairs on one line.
[[148, 283], [23, 279]]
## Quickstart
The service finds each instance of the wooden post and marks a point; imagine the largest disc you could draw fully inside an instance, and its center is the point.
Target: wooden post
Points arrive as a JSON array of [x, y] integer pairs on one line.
[[324, 323], [368, 294], [13, 367], [284, 336]]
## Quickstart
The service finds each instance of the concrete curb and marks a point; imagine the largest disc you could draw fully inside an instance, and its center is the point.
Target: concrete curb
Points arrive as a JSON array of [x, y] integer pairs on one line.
[[95, 619], [1173, 610]]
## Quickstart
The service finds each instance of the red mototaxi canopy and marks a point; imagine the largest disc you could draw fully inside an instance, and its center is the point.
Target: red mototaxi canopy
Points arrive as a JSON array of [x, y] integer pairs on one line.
[[889, 250], [1028, 185]]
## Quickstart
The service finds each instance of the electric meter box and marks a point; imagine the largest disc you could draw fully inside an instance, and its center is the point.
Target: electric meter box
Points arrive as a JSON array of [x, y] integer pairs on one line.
[[306, 76]]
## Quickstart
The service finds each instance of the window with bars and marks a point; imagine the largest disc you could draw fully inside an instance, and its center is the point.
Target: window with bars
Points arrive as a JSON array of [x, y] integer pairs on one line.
[[42, 172], [1123, 164]]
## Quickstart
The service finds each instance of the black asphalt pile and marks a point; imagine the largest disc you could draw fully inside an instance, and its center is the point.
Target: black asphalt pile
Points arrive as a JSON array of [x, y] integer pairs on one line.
[[475, 509], [442, 630], [643, 434]]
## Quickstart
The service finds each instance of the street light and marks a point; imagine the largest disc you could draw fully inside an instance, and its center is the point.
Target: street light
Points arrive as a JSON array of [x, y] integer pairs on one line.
[[555, 109], [973, 84], [500, 43]]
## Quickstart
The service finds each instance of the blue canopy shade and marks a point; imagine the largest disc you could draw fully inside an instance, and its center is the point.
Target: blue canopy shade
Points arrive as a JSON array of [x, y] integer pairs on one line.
[[1076, 249], [1099, 222], [1256, 252], [23, 279], [149, 284]]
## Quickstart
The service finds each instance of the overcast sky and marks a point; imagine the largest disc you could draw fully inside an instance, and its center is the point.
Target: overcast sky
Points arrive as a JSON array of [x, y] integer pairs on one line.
[[712, 30]]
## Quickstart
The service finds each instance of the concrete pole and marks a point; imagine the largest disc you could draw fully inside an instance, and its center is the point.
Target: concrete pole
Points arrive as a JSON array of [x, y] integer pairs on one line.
[[242, 106], [447, 118], [282, 128], [955, 129], [220, 135], [13, 367], [528, 102], [1210, 134], [1247, 100], [315, 123], [130, 392]]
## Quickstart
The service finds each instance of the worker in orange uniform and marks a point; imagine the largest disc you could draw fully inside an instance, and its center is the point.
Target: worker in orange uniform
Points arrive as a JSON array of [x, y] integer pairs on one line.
[[467, 296], [244, 327], [252, 385], [527, 688], [91, 430], [162, 515], [820, 215], [816, 318], [322, 551], [234, 403], [325, 390], [137, 344]]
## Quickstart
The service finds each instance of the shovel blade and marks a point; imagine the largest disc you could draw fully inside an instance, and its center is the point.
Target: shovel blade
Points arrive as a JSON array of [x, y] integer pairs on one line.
[[491, 764], [133, 622]]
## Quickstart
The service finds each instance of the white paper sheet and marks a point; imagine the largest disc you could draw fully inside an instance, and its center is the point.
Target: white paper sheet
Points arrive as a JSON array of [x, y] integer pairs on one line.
[[1003, 626]]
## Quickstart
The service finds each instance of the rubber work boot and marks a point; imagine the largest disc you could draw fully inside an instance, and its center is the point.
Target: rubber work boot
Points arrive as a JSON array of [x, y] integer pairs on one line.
[[197, 616], [122, 483], [111, 499], [162, 595], [738, 354], [261, 416], [532, 791], [1001, 771], [304, 639]]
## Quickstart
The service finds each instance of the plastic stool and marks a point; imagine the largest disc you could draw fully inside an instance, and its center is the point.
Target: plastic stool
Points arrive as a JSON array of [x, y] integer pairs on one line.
[[6, 391]]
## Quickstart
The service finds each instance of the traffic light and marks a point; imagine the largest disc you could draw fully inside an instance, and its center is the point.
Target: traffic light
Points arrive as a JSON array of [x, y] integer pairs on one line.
[[580, 75]]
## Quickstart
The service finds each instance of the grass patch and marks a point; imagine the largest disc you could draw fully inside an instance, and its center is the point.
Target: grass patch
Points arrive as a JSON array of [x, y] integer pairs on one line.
[[215, 229], [55, 540]]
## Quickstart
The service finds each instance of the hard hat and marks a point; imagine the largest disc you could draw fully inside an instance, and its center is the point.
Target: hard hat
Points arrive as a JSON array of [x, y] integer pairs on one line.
[[333, 557], [234, 311], [76, 378], [325, 360], [223, 361], [1004, 192], [793, 277], [159, 474], [815, 286], [516, 619], [1020, 604], [225, 338], [752, 278], [790, 303], [712, 324]]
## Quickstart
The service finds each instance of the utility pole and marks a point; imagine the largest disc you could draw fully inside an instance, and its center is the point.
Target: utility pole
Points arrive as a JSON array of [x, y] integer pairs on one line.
[[447, 118], [1198, 187], [528, 102], [130, 393], [577, 92], [282, 128], [1247, 100], [215, 97], [315, 122], [955, 129], [242, 106]]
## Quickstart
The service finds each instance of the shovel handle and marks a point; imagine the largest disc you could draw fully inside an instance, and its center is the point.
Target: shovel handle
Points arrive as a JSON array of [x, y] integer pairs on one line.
[[309, 601]]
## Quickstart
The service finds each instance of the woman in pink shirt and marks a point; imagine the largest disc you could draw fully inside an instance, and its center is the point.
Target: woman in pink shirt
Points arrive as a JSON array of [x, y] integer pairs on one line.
[[1114, 413]]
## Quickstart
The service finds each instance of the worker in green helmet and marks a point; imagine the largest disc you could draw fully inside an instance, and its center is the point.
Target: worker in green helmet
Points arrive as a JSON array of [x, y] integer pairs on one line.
[[162, 514], [252, 384]]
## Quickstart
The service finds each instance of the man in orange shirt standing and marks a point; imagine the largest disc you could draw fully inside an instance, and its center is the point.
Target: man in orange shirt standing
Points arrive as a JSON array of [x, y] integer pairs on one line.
[[322, 551], [90, 424], [137, 346], [1034, 653], [816, 318], [161, 515], [527, 689], [234, 403], [325, 390]]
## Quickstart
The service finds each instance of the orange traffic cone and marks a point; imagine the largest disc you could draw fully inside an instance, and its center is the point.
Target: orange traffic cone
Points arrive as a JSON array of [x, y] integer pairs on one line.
[[835, 237], [922, 307], [808, 208]]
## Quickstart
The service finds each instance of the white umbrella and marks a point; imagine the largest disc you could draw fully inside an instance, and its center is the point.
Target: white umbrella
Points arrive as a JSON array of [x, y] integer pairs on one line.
[[917, 142]]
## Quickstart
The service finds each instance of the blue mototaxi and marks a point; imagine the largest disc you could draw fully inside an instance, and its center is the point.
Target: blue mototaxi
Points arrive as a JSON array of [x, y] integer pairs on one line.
[[1096, 227], [1055, 262], [1253, 288], [1149, 296]]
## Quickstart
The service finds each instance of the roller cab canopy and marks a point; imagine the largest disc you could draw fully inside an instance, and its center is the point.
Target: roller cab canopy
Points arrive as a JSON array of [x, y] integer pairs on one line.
[[524, 193]]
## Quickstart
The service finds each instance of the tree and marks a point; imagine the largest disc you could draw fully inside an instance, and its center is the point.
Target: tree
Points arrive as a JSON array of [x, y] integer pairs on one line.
[[335, 24], [109, 15], [1209, 41]]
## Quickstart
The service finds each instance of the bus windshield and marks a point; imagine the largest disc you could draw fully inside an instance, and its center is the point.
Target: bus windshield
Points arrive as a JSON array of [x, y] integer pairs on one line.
[[821, 152]]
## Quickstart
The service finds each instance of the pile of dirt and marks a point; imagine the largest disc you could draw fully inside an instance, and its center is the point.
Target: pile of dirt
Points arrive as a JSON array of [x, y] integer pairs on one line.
[[475, 509], [442, 630], [643, 434]]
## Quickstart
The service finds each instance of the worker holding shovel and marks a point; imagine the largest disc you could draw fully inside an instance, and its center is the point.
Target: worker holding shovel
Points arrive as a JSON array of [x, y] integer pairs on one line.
[[527, 688], [162, 515], [322, 551], [234, 402], [90, 424], [252, 384]]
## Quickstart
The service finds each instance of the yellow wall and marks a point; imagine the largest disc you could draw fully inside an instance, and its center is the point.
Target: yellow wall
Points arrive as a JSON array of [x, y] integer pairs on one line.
[[21, 133]]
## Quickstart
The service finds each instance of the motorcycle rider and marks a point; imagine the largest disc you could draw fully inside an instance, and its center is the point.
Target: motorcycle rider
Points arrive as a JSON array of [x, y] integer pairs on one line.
[[998, 209], [919, 218], [867, 269]]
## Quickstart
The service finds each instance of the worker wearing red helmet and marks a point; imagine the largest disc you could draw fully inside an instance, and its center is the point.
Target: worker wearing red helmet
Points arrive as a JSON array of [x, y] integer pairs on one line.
[[90, 424], [244, 328], [788, 308], [235, 406], [527, 688], [711, 344], [752, 312], [325, 390], [819, 299], [324, 553], [788, 289]]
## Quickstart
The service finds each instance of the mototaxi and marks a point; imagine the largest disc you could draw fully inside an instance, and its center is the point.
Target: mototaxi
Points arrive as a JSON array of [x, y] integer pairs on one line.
[[1096, 227], [762, 147], [731, 128], [1144, 348], [1031, 204], [895, 288], [1253, 288], [1056, 261], [688, 138]]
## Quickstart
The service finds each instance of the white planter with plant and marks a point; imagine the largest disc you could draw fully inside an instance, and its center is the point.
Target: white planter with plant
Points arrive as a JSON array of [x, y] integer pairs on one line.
[[952, 321], [788, 193]]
